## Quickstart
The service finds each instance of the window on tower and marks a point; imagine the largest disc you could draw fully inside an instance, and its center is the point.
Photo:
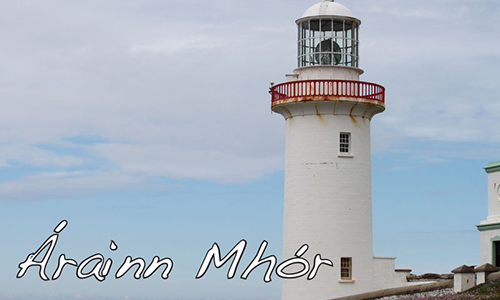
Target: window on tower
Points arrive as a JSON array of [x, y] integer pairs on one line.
[[345, 143], [346, 268]]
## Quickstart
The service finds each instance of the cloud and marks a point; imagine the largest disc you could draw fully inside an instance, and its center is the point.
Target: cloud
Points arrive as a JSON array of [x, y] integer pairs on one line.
[[12, 154], [437, 88], [59, 185], [175, 161], [185, 97]]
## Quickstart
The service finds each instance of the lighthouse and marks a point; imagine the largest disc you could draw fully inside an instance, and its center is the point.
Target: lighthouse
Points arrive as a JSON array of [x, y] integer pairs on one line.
[[328, 112]]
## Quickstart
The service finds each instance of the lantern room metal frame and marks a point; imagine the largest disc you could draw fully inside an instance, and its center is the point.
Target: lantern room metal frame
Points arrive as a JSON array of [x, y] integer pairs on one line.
[[328, 41]]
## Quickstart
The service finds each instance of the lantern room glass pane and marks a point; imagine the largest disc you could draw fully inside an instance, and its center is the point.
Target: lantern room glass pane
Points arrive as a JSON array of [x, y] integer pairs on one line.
[[328, 41]]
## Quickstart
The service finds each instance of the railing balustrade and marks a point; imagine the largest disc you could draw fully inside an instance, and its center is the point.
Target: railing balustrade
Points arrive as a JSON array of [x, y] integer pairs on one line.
[[327, 87]]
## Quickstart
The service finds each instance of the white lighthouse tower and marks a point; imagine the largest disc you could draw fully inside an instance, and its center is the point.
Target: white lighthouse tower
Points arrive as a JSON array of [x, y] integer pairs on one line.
[[328, 159]]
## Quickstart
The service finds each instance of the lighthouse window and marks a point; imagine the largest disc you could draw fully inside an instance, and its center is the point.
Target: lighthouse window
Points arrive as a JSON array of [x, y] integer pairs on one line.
[[346, 268], [345, 142]]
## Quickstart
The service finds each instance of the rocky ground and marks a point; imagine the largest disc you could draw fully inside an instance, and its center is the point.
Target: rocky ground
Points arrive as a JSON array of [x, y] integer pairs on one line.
[[489, 290]]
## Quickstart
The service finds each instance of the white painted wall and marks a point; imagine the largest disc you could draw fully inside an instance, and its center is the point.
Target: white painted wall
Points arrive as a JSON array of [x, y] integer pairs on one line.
[[463, 281], [494, 197], [384, 274], [328, 72], [480, 277], [328, 201], [485, 249]]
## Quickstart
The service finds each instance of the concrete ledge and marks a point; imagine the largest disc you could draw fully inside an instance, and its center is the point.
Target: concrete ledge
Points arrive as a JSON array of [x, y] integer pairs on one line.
[[405, 290]]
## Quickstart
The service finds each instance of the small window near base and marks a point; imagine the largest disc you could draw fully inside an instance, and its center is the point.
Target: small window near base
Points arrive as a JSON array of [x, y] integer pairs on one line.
[[346, 268], [345, 143]]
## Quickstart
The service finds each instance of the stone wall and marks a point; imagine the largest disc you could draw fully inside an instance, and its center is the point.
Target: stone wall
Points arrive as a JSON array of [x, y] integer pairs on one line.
[[428, 277], [442, 286]]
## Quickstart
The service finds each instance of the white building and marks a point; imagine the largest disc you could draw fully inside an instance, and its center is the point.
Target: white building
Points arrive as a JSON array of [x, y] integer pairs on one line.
[[328, 194], [490, 228]]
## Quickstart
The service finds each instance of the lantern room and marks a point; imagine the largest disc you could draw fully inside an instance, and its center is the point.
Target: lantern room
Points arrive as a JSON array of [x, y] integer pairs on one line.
[[328, 36]]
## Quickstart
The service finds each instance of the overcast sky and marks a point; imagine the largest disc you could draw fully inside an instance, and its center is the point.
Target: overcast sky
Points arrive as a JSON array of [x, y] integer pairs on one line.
[[148, 122]]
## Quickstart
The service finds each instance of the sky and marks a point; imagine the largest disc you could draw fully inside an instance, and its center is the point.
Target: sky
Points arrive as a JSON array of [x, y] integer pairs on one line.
[[148, 123]]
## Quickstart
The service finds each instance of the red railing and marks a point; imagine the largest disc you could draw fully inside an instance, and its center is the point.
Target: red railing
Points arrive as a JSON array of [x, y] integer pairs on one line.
[[325, 88]]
